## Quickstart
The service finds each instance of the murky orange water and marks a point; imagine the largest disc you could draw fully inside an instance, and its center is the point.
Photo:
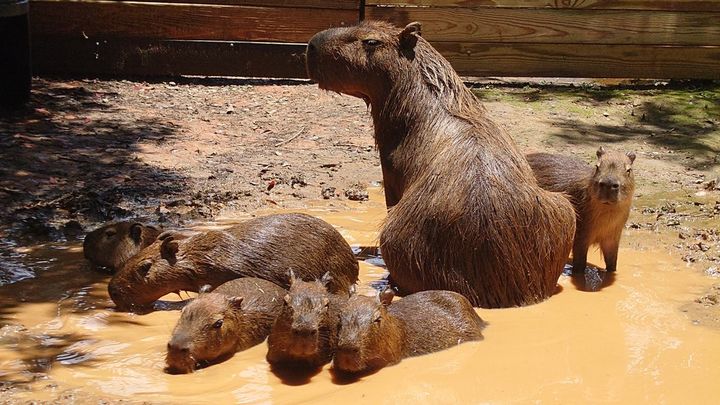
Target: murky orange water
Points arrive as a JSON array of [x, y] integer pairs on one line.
[[628, 343]]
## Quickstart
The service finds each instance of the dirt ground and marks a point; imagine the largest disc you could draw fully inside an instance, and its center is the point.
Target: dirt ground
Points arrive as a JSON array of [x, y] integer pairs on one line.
[[89, 151]]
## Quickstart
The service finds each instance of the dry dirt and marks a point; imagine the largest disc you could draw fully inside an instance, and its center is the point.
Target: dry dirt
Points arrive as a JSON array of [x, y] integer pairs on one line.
[[89, 151]]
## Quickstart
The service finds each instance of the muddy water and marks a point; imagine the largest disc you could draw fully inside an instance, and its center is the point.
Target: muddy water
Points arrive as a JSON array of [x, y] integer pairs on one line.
[[629, 342]]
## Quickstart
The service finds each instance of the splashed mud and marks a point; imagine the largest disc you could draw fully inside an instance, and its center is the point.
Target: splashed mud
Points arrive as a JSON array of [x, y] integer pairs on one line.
[[628, 342]]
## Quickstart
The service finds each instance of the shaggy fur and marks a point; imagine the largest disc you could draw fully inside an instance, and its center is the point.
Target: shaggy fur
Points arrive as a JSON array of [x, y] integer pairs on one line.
[[466, 212], [234, 317], [113, 244], [602, 196], [264, 247], [375, 332]]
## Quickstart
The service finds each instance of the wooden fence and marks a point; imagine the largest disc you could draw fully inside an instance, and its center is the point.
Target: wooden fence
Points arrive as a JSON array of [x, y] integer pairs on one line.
[[265, 38]]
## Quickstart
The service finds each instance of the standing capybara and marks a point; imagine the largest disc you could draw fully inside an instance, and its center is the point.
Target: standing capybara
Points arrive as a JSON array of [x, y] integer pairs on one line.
[[601, 195], [113, 244], [264, 247], [375, 333], [305, 332], [467, 214], [234, 317]]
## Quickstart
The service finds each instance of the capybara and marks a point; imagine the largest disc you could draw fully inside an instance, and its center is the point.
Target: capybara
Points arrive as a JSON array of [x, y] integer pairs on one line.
[[601, 195], [375, 333], [234, 317], [466, 213], [264, 247], [113, 244], [305, 332]]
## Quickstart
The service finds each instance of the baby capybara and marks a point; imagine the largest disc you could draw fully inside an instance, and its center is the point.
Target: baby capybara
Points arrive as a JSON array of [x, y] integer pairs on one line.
[[305, 332], [264, 247], [113, 244], [375, 333], [601, 195], [467, 214], [234, 317]]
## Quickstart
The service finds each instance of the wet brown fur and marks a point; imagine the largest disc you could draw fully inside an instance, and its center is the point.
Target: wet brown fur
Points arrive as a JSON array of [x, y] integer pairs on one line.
[[113, 244], [264, 247], [375, 333], [305, 333], [234, 317], [601, 212], [466, 213]]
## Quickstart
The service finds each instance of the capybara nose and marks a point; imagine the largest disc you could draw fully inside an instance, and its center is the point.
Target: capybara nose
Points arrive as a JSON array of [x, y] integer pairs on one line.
[[177, 348], [615, 185], [304, 332], [317, 40], [349, 349]]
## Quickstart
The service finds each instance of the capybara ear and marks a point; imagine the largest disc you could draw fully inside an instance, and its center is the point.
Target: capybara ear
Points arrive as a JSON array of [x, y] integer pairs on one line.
[[205, 289], [600, 152], [169, 249], [631, 156], [409, 37], [136, 231], [326, 279], [235, 302], [386, 296]]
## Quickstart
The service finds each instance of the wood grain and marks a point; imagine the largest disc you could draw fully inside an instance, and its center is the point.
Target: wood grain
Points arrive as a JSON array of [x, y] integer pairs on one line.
[[557, 26], [332, 4], [138, 57], [182, 21], [548, 60], [674, 5]]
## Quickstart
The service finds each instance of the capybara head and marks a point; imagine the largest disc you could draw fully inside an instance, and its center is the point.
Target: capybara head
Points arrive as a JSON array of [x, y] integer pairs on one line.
[[364, 333], [150, 274], [613, 180], [361, 60], [208, 330], [113, 244], [306, 307]]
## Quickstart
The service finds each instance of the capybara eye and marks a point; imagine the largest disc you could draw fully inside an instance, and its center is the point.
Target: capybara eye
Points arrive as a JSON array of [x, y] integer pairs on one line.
[[218, 324], [371, 42], [110, 233], [629, 170]]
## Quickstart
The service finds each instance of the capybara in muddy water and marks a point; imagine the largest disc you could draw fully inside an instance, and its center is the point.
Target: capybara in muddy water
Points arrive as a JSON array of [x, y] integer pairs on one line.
[[601, 195], [375, 333], [234, 317], [466, 212], [264, 247], [305, 332], [113, 244]]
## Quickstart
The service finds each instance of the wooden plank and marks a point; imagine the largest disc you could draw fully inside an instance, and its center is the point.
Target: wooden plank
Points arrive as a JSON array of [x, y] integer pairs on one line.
[[557, 26], [548, 60], [182, 21], [673, 5], [333, 4], [138, 57]]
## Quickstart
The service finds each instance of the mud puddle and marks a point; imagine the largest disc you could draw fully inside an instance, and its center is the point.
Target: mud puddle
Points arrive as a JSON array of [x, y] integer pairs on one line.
[[630, 342]]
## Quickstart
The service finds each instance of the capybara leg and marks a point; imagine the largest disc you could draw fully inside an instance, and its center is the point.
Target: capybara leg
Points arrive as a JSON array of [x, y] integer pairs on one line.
[[579, 257], [610, 253]]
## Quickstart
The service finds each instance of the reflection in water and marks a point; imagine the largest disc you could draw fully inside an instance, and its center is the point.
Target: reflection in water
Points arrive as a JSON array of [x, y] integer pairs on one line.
[[627, 342]]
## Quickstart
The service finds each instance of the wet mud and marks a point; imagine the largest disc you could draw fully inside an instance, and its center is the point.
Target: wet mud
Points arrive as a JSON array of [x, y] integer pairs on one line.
[[633, 340]]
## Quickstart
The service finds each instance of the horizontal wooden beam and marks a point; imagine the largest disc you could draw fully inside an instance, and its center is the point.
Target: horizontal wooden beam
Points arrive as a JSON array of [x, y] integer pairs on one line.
[[333, 4], [104, 19], [550, 60], [138, 57], [666, 5], [557, 26]]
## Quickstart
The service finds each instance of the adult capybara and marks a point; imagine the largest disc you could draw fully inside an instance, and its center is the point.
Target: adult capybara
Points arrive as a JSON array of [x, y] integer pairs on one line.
[[374, 333], [466, 212], [601, 195], [113, 244], [264, 247], [305, 332], [234, 317]]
